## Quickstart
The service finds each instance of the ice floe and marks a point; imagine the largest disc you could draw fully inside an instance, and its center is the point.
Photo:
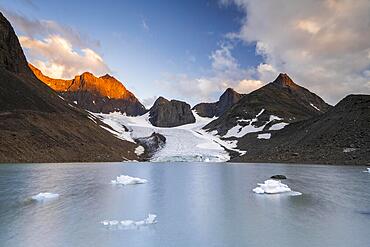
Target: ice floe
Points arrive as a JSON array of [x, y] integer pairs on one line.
[[45, 196], [274, 187], [125, 224], [127, 180]]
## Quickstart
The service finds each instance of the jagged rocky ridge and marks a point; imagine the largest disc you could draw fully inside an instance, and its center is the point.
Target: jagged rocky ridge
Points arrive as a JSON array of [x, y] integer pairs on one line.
[[216, 109], [339, 136], [97, 94], [282, 98], [165, 113], [36, 125]]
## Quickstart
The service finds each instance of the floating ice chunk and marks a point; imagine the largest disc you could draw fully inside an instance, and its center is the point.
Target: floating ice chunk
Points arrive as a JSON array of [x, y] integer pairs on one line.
[[45, 196], [264, 136], [271, 187], [258, 190], [151, 219], [127, 180]]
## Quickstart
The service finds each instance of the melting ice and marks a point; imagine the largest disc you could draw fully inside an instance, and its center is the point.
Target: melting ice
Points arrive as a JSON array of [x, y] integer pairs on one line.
[[273, 187], [44, 196], [151, 219], [127, 180]]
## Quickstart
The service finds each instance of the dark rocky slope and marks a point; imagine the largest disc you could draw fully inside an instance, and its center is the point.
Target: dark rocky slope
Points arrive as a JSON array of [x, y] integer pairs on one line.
[[165, 113], [36, 125], [151, 144], [282, 98], [97, 94], [339, 136], [225, 102]]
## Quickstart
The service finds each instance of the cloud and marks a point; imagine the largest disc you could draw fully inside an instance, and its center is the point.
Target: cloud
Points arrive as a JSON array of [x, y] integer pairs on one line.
[[144, 24], [56, 57], [323, 45], [35, 28], [148, 102], [225, 72], [59, 51]]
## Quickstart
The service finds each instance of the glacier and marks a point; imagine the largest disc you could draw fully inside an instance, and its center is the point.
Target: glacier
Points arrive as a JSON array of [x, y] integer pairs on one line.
[[183, 143]]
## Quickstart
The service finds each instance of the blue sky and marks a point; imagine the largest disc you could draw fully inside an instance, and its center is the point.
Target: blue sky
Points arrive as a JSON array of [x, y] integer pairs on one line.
[[193, 50]]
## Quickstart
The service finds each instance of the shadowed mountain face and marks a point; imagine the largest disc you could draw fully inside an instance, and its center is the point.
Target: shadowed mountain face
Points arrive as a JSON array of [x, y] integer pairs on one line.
[[165, 113], [97, 94], [36, 125], [339, 136], [282, 98], [216, 109]]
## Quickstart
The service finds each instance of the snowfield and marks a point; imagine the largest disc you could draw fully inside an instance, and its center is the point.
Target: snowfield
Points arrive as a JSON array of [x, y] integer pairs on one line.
[[183, 143]]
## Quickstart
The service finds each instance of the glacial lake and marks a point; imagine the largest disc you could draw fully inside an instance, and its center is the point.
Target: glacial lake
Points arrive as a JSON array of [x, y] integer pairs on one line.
[[196, 204]]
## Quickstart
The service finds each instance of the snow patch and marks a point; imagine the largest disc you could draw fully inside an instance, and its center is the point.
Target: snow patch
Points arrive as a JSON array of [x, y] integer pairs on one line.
[[127, 180], [316, 108], [45, 196], [278, 126], [139, 150], [264, 136], [273, 187], [126, 224], [348, 150]]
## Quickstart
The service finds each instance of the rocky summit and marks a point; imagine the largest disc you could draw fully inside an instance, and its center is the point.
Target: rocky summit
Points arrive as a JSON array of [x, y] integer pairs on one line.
[[97, 94], [165, 113], [279, 101], [36, 125], [216, 109]]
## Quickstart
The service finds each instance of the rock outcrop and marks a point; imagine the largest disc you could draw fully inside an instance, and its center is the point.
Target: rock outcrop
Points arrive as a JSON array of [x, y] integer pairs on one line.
[[97, 94], [165, 113], [151, 144], [36, 125], [216, 109]]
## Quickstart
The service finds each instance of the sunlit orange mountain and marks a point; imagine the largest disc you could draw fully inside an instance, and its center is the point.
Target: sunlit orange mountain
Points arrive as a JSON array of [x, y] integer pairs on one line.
[[97, 94]]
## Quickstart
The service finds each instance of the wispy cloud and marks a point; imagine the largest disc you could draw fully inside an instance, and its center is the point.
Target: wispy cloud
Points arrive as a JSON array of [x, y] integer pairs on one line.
[[225, 72], [57, 50], [144, 24], [56, 57], [34, 28]]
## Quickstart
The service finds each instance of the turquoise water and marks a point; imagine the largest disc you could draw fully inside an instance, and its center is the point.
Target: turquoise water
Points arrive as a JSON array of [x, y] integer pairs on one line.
[[196, 205]]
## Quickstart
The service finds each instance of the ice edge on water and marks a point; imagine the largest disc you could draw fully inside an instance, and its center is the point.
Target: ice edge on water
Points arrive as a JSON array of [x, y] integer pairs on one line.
[[124, 224]]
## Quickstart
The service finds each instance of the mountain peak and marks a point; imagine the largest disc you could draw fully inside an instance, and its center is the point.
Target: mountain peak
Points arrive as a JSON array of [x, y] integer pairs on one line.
[[11, 53], [160, 100], [284, 80]]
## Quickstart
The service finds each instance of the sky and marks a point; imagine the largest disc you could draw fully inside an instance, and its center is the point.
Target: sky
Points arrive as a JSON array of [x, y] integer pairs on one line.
[[194, 50]]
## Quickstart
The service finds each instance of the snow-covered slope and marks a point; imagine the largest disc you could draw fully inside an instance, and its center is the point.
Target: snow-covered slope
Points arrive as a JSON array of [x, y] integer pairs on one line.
[[183, 143]]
